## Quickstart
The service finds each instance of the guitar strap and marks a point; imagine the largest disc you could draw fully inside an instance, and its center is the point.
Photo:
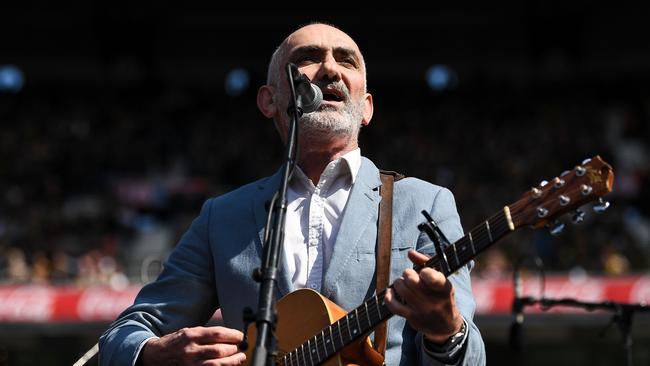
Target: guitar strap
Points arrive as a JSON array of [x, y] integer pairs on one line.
[[384, 235]]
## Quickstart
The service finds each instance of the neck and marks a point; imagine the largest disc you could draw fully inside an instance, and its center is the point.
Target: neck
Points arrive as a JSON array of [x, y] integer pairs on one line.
[[315, 155]]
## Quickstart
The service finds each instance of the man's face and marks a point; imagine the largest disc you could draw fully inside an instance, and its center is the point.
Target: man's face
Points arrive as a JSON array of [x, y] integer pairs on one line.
[[332, 60], [338, 116]]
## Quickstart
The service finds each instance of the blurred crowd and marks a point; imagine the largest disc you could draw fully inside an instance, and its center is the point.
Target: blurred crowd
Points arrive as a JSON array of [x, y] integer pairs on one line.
[[98, 184]]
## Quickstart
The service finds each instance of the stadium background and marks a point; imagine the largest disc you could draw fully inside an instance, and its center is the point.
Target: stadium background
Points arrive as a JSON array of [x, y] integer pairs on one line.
[[118, 120]]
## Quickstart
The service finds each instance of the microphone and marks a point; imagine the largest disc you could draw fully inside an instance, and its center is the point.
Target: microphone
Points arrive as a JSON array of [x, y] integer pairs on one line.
[[309, 96], [517, 312]]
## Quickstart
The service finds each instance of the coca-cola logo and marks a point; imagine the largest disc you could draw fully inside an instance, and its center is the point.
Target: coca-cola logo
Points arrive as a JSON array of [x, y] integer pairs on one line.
[[26, 304], [103, 303]]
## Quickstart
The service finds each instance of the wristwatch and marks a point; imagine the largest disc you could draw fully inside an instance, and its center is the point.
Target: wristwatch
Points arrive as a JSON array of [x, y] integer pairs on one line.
[[451, 344]]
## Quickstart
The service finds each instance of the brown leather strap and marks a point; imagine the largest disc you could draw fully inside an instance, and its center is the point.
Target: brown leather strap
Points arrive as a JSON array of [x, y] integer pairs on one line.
[[384, 235]]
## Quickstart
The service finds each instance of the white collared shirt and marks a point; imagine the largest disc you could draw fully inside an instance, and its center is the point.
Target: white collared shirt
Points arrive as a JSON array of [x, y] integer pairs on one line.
[[314, 218]]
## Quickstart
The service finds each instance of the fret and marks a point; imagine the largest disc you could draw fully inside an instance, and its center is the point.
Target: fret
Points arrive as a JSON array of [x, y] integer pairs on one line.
[[487, 227], [479, 238], [309, 352], [322, 335], [365, 303], [453, 245], [347, 326], [348, 323], [356, 313], [471, 243], [340, 333], [378, 309], [316, 348], [331, 340], [284, 359], [304, 358]]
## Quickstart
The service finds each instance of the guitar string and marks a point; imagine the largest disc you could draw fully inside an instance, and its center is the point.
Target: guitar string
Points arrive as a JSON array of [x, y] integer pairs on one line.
[[479, 234], [482, 233]]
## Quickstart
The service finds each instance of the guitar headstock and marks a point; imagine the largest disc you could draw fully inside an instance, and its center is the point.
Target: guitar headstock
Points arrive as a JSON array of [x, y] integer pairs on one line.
[[585, 183]]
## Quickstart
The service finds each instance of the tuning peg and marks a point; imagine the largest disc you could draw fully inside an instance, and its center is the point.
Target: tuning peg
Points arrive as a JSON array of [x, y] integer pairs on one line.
[[556, 227], [578, 217], [586, 161], [536, 192], [543, 183], [580, 170], [565, 173], [558, 183], [601, 206], [564, 200], [542, 212]]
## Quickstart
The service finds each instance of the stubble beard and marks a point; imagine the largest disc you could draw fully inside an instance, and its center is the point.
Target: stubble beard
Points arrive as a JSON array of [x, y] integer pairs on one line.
[[328, 123]]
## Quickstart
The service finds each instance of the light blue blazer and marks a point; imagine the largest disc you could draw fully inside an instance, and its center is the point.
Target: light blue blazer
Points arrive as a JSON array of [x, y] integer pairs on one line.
[[211, 267]]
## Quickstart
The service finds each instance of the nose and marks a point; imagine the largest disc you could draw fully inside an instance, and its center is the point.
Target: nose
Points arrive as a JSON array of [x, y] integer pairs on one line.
[[329, 70]]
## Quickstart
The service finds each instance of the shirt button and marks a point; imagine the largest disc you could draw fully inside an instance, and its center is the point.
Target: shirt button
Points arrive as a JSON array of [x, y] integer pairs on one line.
[[313, 286]]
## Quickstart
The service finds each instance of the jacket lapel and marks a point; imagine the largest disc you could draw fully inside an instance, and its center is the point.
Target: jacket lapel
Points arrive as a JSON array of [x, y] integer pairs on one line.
[[360, 211], [261, 205]]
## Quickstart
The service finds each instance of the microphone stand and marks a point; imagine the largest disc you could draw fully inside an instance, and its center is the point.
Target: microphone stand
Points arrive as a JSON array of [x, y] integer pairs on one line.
[[515, 336], [622, 317], [266, 316]]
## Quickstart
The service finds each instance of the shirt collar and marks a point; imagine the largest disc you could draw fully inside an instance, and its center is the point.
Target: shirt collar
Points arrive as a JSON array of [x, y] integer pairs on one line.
[[353, 160], [348, 164]]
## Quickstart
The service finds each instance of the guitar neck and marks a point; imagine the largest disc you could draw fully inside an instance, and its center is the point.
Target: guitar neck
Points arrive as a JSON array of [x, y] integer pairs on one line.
[[458, 254], [360, 321]]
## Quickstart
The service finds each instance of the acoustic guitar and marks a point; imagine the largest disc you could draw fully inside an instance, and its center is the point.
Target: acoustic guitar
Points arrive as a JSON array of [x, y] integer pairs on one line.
[[312, 330]]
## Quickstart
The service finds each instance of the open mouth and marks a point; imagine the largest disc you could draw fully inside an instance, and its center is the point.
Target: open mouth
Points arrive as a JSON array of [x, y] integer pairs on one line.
[[332, 96]]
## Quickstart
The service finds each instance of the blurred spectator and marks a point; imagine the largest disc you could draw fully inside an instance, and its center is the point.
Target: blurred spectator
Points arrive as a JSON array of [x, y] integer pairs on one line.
[[97, 189], [18, 271]]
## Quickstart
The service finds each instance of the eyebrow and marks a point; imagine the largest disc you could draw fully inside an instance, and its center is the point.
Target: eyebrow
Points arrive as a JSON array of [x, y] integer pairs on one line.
[[305, 50], [314, 49]]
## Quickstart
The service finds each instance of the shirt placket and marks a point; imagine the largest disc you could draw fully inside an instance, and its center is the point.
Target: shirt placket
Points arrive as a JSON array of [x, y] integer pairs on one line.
[[315, 243], [315, 236]]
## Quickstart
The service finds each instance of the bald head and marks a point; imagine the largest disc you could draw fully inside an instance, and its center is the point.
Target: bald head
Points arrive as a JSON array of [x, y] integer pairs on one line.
[[333, 62], [311, 38]]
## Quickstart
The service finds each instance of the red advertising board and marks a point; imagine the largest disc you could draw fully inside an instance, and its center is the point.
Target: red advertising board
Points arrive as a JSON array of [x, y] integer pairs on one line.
[[72, 304]]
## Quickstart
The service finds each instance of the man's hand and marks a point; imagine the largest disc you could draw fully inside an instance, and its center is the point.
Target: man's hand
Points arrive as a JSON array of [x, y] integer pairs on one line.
[[195, 346], [426, 300]]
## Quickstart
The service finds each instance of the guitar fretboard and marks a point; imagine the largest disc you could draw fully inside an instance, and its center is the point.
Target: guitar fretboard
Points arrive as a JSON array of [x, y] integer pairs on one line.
[[360, 321]]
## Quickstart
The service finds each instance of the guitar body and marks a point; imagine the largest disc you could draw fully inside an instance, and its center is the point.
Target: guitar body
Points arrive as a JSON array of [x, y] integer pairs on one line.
[[303, 313]]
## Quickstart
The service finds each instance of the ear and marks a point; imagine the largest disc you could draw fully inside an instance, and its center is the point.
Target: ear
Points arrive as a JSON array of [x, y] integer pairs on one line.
[[368, 109], [266, 102]]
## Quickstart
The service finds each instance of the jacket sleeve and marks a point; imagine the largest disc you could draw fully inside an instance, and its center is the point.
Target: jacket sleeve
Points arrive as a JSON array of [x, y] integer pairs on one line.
[[184, 295], [446, 216]]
